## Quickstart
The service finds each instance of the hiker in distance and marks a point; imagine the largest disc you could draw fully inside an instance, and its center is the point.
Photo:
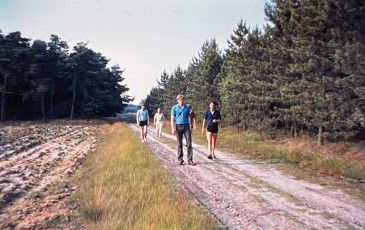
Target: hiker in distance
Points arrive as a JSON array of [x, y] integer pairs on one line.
[[181, 126], [143, 121], [158, 121], [212, 118]]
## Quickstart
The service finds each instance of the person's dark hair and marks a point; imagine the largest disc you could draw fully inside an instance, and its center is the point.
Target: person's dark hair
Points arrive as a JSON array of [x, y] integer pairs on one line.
[[214, 102]]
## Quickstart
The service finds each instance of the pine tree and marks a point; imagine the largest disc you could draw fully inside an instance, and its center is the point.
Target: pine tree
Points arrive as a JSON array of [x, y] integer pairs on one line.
[[14, 63], [58, 74], [318, 100], [39, 81], [202, 75], [163, 91]]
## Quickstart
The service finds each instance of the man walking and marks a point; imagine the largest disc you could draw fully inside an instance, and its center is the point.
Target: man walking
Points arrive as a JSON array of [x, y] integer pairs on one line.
[[181, 126]]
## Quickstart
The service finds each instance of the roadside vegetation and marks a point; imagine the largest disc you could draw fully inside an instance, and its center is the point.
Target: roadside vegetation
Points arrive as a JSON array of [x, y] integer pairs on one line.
[[124, 187], [291, 152], [252, 144], [331, 164]]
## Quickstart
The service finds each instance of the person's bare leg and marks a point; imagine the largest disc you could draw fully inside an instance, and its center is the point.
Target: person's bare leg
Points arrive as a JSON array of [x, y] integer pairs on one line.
[[145, 131], [209, 139], [142, 133], [214, 143]]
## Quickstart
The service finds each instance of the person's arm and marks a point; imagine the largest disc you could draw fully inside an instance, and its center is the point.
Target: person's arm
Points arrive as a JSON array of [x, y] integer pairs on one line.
[[194, 122], [218, 119], [137, 118], [148, 119], [203, 126], [173, 125], [154, 119], [189, 121], [173, 121], [190, 124]]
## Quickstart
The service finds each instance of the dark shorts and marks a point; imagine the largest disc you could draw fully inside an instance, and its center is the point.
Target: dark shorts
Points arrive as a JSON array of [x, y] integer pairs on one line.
[[212, 128], [142, 123]]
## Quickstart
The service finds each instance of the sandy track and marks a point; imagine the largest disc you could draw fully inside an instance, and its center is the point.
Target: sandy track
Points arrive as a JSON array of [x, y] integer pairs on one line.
[[34, 161], [246, 195]]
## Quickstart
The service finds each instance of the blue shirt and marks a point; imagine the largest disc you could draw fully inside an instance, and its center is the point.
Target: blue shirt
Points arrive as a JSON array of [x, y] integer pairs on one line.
[[181, 114], [211, 116], [142, 114]]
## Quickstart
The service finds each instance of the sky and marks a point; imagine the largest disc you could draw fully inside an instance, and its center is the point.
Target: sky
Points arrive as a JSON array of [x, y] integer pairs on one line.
[[144, 37]]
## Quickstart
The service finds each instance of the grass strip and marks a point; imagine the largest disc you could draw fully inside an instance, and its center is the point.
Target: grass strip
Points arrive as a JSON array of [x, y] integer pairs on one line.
[[123, 186]]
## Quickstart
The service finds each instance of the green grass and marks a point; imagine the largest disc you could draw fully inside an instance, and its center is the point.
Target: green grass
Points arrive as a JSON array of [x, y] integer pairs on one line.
[[123, 186]]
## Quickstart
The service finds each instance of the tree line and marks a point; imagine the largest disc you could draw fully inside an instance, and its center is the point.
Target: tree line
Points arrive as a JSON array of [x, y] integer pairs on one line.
[[303, 72], [44, 80]]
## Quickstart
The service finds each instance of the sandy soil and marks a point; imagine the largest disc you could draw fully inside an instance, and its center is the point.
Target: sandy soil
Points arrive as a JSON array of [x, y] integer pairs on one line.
[[243, 194], [36, 162]]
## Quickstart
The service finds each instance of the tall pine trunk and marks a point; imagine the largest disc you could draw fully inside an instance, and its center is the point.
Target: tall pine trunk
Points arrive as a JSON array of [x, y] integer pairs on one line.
[[73, 98], [3, 101], [320, 136], [294, 131], [51, 103], [43, 107]]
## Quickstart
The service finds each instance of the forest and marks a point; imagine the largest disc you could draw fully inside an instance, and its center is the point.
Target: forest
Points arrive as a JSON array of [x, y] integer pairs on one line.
[[45, 80], [301, 73]]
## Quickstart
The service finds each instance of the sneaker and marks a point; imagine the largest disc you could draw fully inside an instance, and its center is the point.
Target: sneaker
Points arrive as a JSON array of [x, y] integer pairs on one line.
[[181, 162], [143, 140], [210, 156], [190, 162], [214, 156]]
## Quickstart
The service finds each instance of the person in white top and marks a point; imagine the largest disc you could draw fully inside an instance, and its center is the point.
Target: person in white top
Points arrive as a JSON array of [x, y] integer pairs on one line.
[[158, 121]]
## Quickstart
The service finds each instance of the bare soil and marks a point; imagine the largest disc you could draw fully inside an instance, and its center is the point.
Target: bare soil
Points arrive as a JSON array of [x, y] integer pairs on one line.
[[37, 162]]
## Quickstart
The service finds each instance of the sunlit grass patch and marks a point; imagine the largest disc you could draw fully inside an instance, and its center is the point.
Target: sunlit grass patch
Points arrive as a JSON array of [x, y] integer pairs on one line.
[[256, 145], [125, 187], [327, 215], [356, 192]]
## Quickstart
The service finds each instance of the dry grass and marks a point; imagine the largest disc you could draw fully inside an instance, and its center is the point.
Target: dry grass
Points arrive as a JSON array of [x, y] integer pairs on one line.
[[332, 164], [303, 153], [125, 187]]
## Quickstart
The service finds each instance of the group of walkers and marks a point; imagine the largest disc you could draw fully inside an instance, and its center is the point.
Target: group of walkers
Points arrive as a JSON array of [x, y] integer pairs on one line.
[[183, 122]]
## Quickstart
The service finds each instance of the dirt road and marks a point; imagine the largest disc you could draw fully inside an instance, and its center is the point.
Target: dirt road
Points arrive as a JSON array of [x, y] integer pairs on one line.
[[36, 160], [247, 195]]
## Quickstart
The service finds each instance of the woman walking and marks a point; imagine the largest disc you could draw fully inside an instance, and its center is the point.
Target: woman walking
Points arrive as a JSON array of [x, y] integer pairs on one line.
[[143, 121], [212, 118], [158, 121]]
